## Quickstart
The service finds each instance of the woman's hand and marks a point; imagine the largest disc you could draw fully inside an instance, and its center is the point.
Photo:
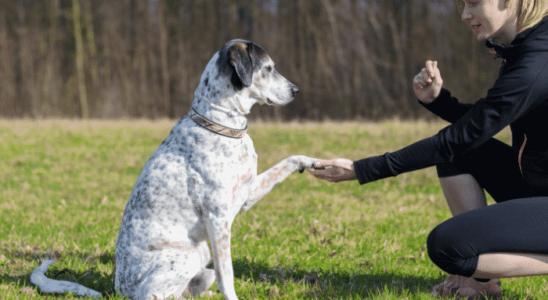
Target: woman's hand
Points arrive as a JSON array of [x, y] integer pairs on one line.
[[334, 170], [427, 84]]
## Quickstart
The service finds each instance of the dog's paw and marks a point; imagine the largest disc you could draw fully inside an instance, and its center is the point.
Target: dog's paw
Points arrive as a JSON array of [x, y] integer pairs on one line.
[[304, 162]]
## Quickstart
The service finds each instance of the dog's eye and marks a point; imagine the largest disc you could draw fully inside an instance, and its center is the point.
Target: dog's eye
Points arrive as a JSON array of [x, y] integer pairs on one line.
[[269, 69]]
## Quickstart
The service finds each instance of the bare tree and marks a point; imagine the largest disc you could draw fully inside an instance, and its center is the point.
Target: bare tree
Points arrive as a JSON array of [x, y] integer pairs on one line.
[[82, 92], [8, 84], [352, 59]]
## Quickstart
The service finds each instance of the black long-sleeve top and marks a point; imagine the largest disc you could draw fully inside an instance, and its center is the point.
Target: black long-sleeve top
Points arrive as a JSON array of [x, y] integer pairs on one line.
[[519, 98]]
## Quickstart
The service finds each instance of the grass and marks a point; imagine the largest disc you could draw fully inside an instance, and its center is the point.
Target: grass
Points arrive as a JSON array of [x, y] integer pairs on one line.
[[64, 185]]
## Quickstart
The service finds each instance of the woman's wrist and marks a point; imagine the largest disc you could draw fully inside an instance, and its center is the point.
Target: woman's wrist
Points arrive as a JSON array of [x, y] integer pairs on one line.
[[430, 99]]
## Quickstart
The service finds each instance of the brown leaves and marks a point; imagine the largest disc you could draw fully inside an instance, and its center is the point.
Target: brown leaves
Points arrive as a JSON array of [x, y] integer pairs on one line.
[[54, 254], [407, 257], [313, 230], [366, 264], [325, 241], [312, 278], [260, 233]]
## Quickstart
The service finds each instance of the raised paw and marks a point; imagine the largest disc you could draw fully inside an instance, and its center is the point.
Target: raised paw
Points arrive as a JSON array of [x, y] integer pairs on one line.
[[303, 162]]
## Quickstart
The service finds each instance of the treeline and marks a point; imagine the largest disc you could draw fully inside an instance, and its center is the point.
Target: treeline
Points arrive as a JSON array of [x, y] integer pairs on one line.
[[352, 59]]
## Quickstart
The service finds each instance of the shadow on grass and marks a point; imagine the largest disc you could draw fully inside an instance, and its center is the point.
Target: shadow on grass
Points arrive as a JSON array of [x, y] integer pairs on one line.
[[325, 284], [320, 284]]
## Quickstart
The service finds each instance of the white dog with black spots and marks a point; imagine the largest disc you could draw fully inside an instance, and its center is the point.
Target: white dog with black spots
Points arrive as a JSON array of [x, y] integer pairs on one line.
[[195, 183]]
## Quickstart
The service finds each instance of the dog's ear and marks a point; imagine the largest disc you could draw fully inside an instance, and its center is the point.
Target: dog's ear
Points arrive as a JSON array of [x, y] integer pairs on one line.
[[239, 58]]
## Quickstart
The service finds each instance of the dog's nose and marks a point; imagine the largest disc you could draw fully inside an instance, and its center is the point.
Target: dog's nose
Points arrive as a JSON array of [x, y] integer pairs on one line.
[[294, 90]]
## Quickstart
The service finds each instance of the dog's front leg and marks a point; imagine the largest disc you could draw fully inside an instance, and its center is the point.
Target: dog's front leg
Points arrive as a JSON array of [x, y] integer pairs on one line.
[[218, 230], [267, 180]]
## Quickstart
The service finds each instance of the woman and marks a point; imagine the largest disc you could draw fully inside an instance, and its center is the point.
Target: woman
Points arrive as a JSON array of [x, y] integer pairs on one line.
[[483, 243]]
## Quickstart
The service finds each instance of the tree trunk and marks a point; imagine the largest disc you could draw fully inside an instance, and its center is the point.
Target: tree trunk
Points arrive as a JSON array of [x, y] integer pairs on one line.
[[82, 93], [8, 91], [90, 37], [162, 27], [26, 96]]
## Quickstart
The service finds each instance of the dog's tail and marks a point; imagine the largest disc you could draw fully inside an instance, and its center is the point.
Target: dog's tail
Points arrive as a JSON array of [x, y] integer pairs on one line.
[[38, 278]]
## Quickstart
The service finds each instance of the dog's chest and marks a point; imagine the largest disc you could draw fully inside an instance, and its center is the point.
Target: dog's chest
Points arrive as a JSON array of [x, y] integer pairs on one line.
[[191, 174], [218, 169]]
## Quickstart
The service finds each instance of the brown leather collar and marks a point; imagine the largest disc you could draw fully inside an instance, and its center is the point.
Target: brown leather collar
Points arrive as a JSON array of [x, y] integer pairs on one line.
[[214, 127]]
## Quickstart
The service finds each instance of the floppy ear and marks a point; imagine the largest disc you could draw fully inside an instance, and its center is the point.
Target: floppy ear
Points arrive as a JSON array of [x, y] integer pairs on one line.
[[240, 60]]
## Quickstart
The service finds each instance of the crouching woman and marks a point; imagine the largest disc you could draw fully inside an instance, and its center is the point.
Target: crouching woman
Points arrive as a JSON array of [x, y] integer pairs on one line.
[[509, 239]]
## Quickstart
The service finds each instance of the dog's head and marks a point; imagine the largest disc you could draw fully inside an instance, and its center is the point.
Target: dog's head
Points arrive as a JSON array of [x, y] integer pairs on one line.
[[250, 68]]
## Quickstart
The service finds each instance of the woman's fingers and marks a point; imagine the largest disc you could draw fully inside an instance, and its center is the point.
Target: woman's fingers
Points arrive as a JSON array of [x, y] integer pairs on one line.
[[426, 77], [427, 83], [336, 162], [437, 73], [430, 68], [418, 82], [334, 170], [433, 71], [319, 164]]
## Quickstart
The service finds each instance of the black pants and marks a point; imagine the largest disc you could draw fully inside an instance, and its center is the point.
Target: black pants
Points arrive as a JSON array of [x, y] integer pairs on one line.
[[518, 223]]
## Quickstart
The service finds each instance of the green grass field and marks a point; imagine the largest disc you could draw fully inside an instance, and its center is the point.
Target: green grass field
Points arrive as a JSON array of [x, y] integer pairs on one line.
[[64, 185]]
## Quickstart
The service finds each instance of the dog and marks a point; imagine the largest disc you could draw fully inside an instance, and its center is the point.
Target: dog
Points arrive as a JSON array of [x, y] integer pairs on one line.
[[195, 183]]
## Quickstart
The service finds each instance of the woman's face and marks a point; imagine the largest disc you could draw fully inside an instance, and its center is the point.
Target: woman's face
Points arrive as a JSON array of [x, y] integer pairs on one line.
[[488, 18]]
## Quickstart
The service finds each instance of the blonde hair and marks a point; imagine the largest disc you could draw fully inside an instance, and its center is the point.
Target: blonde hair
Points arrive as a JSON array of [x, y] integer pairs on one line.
[[529, 12]]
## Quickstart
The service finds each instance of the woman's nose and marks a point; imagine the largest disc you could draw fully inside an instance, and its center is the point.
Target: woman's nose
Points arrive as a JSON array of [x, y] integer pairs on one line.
[[465, 16]]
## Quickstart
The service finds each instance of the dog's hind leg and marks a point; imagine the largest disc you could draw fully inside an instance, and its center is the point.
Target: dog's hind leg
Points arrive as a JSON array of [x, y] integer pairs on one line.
[[206, 277], [201, 282], [171, 271]]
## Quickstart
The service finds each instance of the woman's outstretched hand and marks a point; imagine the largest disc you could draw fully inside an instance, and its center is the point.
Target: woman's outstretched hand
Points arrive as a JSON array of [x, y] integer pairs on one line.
[[427, 84], [334, 170]]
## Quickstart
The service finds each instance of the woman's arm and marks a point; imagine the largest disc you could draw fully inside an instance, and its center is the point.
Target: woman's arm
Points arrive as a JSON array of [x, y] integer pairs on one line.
[[447, 107], [519, 89]]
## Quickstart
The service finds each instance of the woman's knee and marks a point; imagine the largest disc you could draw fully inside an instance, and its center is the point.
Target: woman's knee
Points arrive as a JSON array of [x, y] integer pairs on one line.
[[450, 169], [451, 254]]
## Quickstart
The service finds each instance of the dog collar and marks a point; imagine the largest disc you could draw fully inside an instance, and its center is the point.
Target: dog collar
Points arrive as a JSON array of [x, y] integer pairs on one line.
[[214, 127]]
